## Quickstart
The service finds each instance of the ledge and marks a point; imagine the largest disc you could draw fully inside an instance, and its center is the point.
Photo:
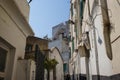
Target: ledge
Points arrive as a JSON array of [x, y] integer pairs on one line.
[[24, 7], [15, 14]]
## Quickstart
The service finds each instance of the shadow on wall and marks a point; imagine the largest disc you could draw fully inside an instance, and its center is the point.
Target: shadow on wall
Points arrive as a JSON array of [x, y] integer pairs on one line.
[[118, 2]]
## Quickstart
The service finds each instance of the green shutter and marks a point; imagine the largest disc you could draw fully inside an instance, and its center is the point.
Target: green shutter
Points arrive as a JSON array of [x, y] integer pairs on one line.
[[75, 30], [82, 4], [69, 38], [71, 9], [65, 67], [72, 45], [81, 9], [70, 52]]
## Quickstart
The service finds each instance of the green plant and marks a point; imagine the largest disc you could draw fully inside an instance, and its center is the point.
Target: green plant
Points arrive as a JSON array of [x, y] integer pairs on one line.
[[49, 64]]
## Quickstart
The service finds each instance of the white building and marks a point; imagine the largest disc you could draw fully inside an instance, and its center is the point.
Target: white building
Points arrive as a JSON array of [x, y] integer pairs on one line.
[[14, 29], [56, 72], [55, 54], [60, 35], [94, 27]]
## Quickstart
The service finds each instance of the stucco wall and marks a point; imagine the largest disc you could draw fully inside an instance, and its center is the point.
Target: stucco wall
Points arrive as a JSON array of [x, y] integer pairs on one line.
[[14, 32], [98, 61], [114, 11], [104, 62], [59, 68], [56, 43], [61, 44], [26, 70], [25, 8]]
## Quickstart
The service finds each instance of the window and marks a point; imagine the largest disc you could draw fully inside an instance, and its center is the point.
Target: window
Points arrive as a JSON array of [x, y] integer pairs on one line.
[[72, 10], [69, 38], [33, 75], [29, 48], [7, 54], [65, 67], [75, 30], [70, 52], [1, 78], [3, 54], [3, 57], [82, 4], [73, 45]]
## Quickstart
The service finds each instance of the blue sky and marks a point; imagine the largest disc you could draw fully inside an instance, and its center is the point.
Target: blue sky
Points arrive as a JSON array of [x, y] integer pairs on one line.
[[44, 14]]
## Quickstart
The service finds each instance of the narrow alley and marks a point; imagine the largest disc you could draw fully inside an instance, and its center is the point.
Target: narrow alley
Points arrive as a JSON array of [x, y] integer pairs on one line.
[[59, 40]]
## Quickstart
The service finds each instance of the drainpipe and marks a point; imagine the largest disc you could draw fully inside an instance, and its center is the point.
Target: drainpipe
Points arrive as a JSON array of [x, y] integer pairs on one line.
[[96, 54], [95, 42]]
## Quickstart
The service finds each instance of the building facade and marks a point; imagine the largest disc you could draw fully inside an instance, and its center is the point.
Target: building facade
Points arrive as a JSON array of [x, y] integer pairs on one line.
[[94, 26], [57, 72], [14, 29], [60, 35], [37, 49], [26, 69]]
